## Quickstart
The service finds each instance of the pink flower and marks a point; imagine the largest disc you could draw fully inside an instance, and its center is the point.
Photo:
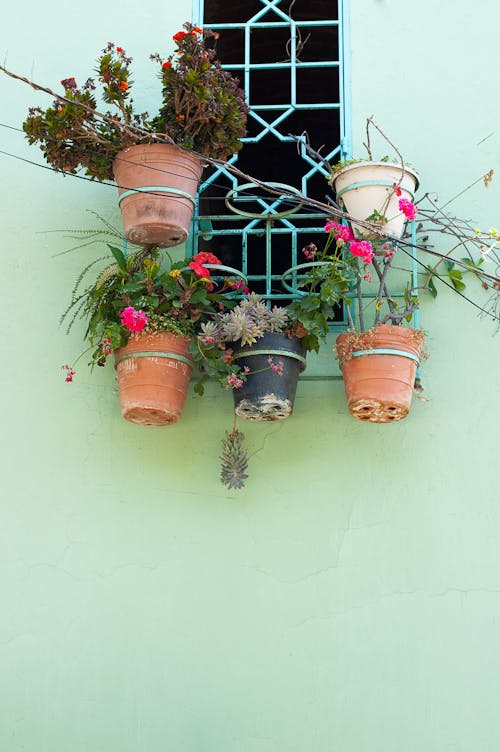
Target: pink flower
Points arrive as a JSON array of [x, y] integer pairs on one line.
[[134, 320], [236, 285], [70, 372], [397, 189], [341, 232], [367, 277], [276, 367], [246, 371], [106, 347], [309, 251], [233, 382], [408, 208], [363, 249]]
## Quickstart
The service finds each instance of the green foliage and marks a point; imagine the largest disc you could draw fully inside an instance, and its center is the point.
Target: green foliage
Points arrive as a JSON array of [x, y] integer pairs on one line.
[[172, 296], [234, 460], [202, 109]]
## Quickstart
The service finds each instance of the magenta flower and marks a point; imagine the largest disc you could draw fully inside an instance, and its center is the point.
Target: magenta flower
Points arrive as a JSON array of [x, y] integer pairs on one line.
[[341, 232], [408, 208], [363, 249], [70, 372], [134, 320]]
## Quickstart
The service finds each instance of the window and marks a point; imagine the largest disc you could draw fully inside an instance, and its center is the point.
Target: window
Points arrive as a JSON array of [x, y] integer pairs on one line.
[[290, 58]]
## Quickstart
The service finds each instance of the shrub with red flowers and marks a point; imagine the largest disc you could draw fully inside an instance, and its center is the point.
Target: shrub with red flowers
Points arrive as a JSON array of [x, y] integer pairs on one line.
[[146, 291], [202, 109]]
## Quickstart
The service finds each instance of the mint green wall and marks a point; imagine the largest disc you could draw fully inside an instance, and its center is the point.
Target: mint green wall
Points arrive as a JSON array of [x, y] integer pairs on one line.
[[349, 599]]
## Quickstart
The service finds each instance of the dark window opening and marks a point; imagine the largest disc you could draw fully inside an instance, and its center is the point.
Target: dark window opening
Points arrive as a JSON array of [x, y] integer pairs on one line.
[[287, 98]]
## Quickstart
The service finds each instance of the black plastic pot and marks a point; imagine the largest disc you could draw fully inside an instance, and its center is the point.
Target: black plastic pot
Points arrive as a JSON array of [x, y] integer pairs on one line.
[[265, 395]]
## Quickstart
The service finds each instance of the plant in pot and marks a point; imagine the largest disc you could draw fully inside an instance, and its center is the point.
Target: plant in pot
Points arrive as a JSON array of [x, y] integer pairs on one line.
[[258, 352], [257, 344], [373, 360], [157, 160], [377, 195], [363, 263], [148, 314]]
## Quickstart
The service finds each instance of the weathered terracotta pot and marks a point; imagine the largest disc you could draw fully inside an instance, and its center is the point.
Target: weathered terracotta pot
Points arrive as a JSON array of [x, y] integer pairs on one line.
[[379, 375], [157, 186], [266, 395], [153, 372], [366, 187]]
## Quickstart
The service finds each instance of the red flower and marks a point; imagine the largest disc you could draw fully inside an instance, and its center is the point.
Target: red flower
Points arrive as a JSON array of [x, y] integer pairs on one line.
[[197, 30], [69, 83], [397, 189], [199, 269], [123, 85], [119, 49], [167, 64], [206, 258], [179, 36]]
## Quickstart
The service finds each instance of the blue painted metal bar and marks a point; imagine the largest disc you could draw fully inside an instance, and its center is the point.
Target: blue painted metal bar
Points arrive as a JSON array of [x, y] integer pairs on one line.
[[416, 316], [273, 222]]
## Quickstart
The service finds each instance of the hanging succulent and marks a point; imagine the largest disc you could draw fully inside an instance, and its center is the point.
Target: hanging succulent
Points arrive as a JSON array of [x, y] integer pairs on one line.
[[234, 460]]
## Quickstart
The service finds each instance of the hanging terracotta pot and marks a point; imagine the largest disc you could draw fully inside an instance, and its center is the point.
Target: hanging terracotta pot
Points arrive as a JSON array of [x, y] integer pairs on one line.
[[153, 372], [366, 187], [266, 395], [379, 368], [157, 186]]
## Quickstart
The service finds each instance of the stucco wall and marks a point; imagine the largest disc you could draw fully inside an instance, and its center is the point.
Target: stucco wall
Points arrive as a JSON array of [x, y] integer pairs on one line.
[[349, 598]]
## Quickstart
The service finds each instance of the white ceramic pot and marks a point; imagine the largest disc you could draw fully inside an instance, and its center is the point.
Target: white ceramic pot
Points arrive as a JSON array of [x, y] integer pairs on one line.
[[367, 187]]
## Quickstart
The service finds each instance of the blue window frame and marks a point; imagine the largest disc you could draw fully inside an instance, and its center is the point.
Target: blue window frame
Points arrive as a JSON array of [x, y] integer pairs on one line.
[[291, 57]]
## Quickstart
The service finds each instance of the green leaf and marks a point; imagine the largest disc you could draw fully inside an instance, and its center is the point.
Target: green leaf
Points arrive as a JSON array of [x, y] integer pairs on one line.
[[120, 258], [131, 288]]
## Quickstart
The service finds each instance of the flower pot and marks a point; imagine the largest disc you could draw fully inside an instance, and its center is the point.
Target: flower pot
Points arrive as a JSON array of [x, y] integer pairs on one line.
[[379, 369], [153, 372], [157, 186], [266, 395], [366, 187]]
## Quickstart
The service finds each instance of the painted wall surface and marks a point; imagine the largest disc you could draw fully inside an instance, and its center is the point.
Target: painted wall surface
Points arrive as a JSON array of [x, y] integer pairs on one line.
[[349, 598]]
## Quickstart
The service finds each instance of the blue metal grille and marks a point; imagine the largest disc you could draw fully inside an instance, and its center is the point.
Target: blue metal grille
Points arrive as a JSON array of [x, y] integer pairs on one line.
[[293, 66]]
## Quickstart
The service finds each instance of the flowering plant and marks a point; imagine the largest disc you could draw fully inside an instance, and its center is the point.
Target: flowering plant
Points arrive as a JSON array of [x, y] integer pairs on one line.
[[363, 262], [202, 109], [139, 293]]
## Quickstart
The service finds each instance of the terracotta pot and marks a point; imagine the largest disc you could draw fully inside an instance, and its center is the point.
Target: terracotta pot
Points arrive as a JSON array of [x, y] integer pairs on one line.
[[153, 372], [379, 385], [265, 395], [157, 186], [368, 186]]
